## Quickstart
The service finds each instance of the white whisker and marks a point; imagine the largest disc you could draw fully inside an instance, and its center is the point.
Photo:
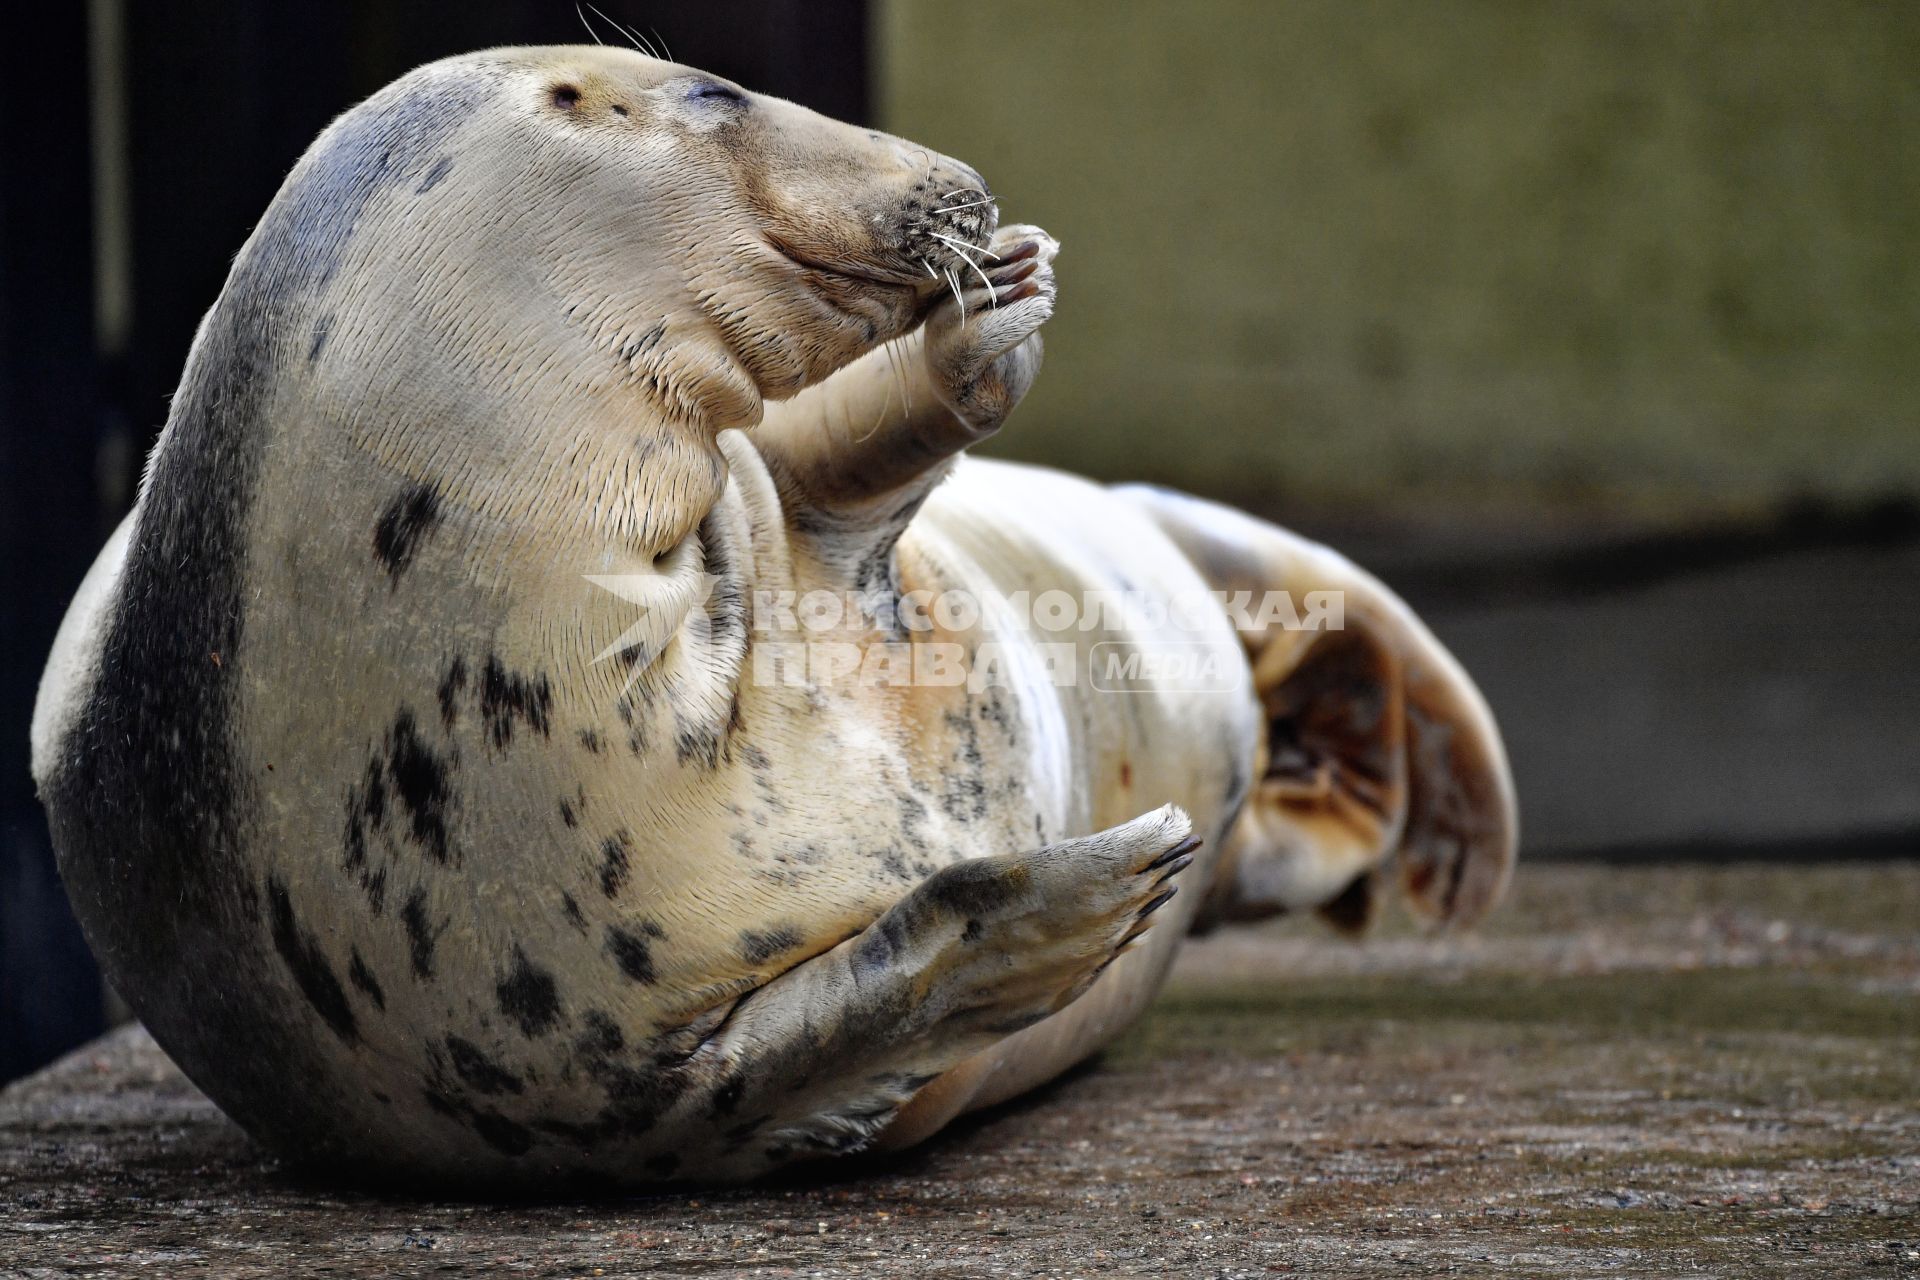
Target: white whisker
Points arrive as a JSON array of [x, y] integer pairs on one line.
[[963, 247], [956, 208], [893, 368], [955, 282], [929, 266], [878, 418], [640, 42], [602, 15], [588, 25], [906, 381], [663, 43], [991, 291], [964, 191]]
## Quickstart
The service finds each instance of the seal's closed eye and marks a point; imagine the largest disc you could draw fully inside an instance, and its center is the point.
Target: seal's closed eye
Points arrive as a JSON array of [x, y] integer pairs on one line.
[[566, 97], [708, 89]]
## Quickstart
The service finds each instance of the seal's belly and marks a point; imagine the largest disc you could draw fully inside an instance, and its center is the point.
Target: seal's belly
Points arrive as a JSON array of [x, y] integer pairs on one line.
[[1146, 697], [483, 857]]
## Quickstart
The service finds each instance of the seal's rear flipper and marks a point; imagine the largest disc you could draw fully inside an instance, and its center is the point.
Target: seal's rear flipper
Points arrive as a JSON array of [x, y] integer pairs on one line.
[[1380, 751], [819, 1060]]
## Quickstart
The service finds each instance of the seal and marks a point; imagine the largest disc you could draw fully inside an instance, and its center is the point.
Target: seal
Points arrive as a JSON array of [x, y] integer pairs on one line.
[[426, 777]]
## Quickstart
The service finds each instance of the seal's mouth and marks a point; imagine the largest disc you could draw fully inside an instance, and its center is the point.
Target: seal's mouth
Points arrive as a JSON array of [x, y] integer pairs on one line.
[[864, 273]]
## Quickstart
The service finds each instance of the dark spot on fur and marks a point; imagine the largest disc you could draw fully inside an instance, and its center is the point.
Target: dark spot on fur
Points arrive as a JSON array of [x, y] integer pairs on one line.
[[420, 777], [970, 889], [421, 935], [529, 996], [973, 932], [913, 814], [507, 697], [965, 799], [566, 97], [602, 1038], [758, 948], [1126, 773], [366, 812], [894, 861], [452, 685], [590, 739], [874, 574], [375, 885], [633, 952], [697, 745], [478, 1070], [441, 168], [878, 945], [567, 815], [965, 796], [572, 909], [403, 525], [362, 977], [502, 1134], [615, 861], [307, 962], [741, 1134]]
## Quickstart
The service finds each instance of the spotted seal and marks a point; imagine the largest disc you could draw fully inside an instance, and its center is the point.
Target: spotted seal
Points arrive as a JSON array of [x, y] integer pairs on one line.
[[426, 856]]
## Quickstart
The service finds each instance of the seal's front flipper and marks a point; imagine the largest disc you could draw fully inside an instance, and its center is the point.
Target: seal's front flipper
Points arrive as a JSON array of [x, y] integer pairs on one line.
[[819, 1060], [854, 454]]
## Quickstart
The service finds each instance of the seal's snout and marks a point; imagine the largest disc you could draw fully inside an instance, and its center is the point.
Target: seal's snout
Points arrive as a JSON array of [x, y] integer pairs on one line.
[[964, 202], [948, 217]]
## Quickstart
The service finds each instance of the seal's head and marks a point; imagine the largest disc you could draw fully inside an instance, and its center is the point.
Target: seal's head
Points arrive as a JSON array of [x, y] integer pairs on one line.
[[632, 189], [805, 240], [522, 252]]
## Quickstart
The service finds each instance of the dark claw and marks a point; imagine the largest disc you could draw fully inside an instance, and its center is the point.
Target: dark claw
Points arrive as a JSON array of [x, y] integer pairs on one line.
[[1021, 292], [1165, 896], [1014, 274], [1175, 867], [1180, 850], [1026, 249]]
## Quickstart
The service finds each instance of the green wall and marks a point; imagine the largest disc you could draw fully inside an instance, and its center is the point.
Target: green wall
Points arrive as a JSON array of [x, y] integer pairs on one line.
[[1641, 260]]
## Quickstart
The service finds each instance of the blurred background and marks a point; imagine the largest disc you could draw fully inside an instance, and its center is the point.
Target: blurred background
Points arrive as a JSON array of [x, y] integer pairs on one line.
[[1594, 329]]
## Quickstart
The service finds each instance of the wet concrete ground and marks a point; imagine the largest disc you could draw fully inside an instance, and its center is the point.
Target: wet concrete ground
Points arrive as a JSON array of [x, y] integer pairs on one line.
[[1652, 1071]]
